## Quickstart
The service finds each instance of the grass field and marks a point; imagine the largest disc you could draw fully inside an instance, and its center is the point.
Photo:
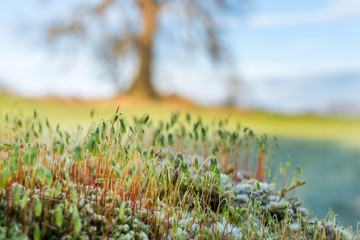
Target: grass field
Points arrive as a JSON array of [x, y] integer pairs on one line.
[[70, 112], [327, 148]]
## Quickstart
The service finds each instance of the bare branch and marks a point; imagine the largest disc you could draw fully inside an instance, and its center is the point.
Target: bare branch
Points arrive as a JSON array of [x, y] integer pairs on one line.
[[59, 30], [137, 28], [103, 6]]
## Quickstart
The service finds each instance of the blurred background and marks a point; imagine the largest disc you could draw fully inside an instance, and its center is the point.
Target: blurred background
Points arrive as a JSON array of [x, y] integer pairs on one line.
[[289, 68]]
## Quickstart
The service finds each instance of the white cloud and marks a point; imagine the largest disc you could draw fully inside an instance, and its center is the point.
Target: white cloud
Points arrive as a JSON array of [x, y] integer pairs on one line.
[[339, 9]]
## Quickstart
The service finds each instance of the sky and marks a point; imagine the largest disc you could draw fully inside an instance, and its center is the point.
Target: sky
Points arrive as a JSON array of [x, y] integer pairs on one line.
[[291, 57]]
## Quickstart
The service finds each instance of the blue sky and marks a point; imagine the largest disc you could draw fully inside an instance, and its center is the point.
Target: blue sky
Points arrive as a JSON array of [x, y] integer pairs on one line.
[[319, 36], [290, 55]]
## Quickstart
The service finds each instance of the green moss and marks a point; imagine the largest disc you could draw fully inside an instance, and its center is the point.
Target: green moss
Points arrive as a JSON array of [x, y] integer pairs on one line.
[[124, 179]]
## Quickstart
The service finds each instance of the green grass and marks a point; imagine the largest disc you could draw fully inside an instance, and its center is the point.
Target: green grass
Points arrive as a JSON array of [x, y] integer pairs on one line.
[[343, 131]]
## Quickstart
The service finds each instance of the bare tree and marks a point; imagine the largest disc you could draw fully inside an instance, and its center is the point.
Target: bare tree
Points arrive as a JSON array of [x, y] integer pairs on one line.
[[136, 27]]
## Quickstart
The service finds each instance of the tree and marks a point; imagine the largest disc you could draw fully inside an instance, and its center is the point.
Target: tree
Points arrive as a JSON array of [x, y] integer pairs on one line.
[[136, 27]]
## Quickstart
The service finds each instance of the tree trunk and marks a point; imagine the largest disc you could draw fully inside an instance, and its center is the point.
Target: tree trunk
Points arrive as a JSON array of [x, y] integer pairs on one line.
[[143, 85]]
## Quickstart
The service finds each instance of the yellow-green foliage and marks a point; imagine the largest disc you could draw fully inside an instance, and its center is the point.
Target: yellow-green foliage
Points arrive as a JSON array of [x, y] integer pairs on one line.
[[69, 113]]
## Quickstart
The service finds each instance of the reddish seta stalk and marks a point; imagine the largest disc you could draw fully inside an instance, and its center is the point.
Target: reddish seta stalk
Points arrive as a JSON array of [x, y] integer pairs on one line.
[[260, 170]]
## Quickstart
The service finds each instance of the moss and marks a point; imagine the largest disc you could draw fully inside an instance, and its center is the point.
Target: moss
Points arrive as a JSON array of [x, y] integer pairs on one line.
[[127, 181]]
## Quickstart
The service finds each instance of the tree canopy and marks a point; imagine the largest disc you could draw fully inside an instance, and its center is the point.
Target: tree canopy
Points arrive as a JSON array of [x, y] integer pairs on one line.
[[118, 29]]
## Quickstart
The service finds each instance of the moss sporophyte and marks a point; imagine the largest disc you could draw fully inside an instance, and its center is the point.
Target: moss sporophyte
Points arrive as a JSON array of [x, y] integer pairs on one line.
[[184, 178]]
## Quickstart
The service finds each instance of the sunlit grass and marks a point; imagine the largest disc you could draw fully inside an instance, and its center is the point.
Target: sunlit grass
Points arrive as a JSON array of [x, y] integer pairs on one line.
[[70, 113]]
